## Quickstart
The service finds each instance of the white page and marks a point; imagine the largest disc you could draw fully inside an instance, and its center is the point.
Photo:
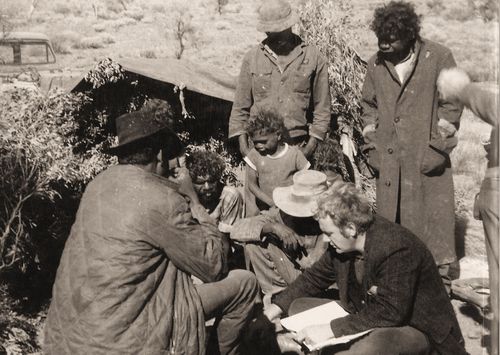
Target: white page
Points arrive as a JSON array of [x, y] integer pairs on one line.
[[323, 314], [317, 315]]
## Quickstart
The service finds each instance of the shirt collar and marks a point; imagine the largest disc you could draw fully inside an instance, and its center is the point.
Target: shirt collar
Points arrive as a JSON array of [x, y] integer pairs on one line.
[[280, 154]]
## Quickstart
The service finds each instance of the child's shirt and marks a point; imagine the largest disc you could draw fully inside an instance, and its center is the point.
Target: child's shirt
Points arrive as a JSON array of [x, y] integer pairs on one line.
[[278, 170]]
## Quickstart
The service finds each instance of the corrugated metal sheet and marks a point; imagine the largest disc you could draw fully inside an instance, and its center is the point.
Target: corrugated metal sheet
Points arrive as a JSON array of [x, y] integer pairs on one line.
[[201, 78]]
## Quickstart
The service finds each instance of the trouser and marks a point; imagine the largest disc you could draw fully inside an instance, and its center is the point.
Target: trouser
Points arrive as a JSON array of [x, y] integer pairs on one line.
[[273, 268], [380, 341], [487, 204], [231, 300]]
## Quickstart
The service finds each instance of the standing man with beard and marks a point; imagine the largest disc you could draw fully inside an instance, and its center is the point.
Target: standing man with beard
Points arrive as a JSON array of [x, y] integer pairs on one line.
[[410, 132], [285, 74]]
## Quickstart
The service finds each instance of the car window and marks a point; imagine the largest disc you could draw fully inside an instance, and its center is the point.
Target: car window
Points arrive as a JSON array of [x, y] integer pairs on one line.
[[35, 53], [6, 53]]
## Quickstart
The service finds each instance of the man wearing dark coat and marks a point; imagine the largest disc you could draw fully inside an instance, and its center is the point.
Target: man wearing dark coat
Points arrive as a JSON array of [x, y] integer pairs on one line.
[[387, 280], [124, 284], [410, 132]]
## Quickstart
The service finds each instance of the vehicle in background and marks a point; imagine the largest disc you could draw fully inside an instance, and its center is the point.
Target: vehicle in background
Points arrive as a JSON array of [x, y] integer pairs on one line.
[[27, 59]]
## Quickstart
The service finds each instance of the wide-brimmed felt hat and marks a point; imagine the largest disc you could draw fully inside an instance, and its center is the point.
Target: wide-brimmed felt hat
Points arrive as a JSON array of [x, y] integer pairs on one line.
[[275, 16], [299, 199], [155, 116]]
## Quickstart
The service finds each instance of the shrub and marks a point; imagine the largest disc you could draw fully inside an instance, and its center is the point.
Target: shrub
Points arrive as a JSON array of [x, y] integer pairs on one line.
[[436, 6], [64, 41], [62, 8], [135, 13], [94, 42], [122, 22], [220, 5], [149, 53], [327, 25], [486, 9], [99, 27], [181, 28]]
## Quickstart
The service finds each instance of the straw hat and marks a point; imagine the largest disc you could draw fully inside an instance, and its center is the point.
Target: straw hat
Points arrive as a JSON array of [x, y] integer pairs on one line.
[[275, 16], [299, 199]]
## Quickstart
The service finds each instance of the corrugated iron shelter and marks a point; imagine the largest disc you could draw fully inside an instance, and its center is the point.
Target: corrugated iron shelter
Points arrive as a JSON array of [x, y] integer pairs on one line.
[[208, 91]]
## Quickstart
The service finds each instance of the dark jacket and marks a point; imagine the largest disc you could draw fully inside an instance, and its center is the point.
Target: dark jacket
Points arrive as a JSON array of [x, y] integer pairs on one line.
[[406, 115], [409, 290], [123, 284], [298, 91]]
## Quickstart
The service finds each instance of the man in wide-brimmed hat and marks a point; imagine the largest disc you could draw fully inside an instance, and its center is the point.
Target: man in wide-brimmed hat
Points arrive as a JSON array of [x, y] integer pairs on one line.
[[123, 285], [282, 242], [286, 74]]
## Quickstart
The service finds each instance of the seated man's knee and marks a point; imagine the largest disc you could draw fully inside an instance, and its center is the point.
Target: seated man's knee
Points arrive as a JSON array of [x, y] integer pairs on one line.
[[247, 280], [392, 340]]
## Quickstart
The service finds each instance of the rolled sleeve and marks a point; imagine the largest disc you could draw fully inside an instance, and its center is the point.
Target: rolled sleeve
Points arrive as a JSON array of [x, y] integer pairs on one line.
[[449, 111], [314, 280], [250, 229], [321, 99], [197, 249], [243, 100]]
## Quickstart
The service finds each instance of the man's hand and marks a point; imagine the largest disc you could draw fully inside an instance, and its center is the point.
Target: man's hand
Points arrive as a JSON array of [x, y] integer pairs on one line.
[[182, 177], [288, 237], [369, 133], [243, 143], [309, 148], [446, 129], [314, 334], [273, 312]]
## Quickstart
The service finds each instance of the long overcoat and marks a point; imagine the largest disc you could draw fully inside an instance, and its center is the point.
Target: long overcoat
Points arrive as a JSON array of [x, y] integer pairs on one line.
[[405, 115]]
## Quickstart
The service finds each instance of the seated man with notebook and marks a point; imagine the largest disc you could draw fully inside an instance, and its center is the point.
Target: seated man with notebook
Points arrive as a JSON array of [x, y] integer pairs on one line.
[[387, 281]]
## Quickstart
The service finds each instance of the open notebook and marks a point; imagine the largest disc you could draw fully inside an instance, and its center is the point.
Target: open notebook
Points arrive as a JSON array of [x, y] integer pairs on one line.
[[319, 315]]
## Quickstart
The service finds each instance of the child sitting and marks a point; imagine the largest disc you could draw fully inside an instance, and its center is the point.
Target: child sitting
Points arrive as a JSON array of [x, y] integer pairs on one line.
[[272, 161]]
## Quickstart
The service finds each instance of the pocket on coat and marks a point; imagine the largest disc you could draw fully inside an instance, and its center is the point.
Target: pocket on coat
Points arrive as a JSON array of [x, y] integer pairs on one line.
[[434, 161], [261, 82], [302, 79]]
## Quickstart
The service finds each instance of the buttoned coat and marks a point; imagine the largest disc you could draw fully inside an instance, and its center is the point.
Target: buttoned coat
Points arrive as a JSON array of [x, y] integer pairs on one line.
[[405, 115], [299, 90]]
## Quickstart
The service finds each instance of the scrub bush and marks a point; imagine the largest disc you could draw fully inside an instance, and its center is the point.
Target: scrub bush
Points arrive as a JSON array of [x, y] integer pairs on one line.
[[328, 25]]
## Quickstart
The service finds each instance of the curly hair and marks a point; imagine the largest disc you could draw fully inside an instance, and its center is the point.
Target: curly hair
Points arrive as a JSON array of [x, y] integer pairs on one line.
[[328, 156], [205, 163], [344, 204], [267, 121], [397, 18]]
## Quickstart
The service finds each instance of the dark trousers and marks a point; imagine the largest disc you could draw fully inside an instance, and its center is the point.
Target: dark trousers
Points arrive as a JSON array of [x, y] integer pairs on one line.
[[380, 341], [231, 300]]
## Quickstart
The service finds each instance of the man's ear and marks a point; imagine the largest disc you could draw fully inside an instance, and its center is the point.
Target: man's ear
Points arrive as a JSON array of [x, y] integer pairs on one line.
[[351, 230]]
